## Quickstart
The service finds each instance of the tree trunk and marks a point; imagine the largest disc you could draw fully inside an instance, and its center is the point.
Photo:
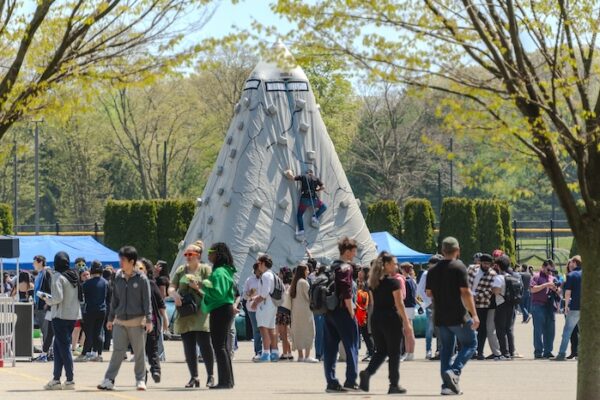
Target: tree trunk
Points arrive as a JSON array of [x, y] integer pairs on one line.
[[588, 371]]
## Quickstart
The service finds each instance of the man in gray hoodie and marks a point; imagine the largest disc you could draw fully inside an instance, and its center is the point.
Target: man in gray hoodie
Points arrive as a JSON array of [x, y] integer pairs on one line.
[[65, 310], [130, 318]]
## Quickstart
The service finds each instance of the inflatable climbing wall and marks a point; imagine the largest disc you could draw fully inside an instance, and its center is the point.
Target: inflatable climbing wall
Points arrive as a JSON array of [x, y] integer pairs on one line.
[[248, 202]]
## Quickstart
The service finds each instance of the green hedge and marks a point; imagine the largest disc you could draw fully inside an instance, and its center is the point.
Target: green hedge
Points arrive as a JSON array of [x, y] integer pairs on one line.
[[459, 219], [490, 231], [153, 227], [7, 224], [384, 215], [419, 220]]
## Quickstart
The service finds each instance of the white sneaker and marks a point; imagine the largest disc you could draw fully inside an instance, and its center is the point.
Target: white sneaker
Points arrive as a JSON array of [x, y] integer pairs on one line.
[[301, 359], [311, 360], [53, 385], [106, 384], [403, 357], [256, 357], [429, 355], [410, 357], [69, 385], [449, 392], [451, 379], [140, 385]]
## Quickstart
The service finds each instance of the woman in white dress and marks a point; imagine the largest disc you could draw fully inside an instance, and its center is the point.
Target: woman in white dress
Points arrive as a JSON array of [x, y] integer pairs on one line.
[[303, 327]]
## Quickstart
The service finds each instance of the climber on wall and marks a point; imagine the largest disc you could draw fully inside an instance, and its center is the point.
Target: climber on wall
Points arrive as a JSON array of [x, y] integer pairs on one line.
[[309, 197]]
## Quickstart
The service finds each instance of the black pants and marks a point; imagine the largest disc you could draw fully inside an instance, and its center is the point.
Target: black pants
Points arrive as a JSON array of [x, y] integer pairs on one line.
[[48, 338], [93, 324], [107, 333], [192, 340], [366, 335], [575, 340], [387, 333], [504, 322], [220, 324], [152, 350], [482, 314]]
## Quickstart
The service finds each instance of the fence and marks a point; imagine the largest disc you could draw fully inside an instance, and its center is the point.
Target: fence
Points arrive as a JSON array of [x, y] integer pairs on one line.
[[94, 229], [542, 239], [8, 320]]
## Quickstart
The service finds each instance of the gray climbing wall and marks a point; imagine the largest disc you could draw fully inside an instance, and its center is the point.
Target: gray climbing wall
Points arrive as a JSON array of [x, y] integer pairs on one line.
[[249, 204]]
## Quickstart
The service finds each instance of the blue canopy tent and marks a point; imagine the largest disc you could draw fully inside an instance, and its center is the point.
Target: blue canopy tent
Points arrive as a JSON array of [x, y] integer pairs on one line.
[[386, 242], [49, 245]]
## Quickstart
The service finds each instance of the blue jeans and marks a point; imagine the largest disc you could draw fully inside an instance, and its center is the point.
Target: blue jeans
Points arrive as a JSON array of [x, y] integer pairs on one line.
[[255, 333], [467, 338], [319, 335], [428, 329], [572, 319], [316, 204], [63, 329], [340, 326], [543, 330], [525, 305]]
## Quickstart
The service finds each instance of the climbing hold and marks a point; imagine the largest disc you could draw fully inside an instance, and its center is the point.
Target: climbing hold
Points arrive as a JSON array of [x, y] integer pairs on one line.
[[220, 170], [229, 139], [358, 202], [311, 154], [240, 125], [300, 104], [227, 202], [210, 220], [237, 108], [344, 204], [283, 204], [255, 248], [292, 261], [199, 202], [206, 201], [272, 110], [304, 127], [258, 203], [232, 153], [246, 102], [221, 191], [282, 140]]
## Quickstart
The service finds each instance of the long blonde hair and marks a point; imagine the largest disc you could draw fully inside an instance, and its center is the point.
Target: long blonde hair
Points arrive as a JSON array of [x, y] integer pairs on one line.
[[378, 271]]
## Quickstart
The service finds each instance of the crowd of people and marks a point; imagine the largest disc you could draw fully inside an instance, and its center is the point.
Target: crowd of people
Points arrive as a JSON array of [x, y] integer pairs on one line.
[[332, 310]]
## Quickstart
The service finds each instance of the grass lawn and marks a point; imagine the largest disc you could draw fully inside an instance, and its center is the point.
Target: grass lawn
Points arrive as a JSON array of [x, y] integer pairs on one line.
[[535, 250]]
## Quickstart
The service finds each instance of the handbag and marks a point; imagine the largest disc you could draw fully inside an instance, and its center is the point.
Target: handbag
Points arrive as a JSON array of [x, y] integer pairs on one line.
[[188, 306]]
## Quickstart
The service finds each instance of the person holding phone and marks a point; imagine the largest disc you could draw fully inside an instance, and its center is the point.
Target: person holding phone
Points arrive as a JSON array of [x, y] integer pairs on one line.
[[130, 319]]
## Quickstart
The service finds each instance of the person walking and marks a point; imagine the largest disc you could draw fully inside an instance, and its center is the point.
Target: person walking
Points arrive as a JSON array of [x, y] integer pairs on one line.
[[266, 311], [303, 327], [505, 310], [340, 324], [219, 296], [283, 318], [525, 305], [130, 319], [42, 283], [572, 307], [410, 305], [544, 294], [190, 321], [251, 287], [94, 294], [65, 309], [427, 304], [389, 321], [455, 314]]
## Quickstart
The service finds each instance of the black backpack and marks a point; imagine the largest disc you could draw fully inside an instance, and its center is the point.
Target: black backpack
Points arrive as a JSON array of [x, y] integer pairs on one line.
[[514, 289], [323, 297]]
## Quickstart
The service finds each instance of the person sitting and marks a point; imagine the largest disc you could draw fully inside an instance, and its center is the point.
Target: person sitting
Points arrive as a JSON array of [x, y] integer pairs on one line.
[[309, 197]]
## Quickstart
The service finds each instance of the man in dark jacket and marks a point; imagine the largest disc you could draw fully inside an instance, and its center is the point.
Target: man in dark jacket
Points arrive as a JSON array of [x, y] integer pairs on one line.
[[94, 294], [309, 198], [340, 324]]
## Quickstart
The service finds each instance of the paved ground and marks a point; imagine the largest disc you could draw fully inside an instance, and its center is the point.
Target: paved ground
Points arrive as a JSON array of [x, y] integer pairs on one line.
[[519, 379]]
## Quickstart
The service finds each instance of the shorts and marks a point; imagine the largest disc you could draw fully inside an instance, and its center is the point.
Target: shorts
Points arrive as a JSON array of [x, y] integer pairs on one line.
[[265, 314], [410, 313], [283, 318]]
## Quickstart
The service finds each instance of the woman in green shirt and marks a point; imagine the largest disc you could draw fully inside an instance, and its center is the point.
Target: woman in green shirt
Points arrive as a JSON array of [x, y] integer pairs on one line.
[[218, 301], [194, 328]]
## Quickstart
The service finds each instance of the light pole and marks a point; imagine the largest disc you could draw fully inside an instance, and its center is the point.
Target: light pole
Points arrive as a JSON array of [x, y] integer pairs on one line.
[[15, 182], [451, 166], [37, 174]]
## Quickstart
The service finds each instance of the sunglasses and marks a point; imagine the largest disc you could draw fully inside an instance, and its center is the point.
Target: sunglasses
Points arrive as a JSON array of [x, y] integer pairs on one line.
[[191, 254]]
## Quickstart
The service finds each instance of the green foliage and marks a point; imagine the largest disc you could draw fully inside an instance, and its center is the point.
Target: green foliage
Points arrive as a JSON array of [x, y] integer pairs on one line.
[[419, 221], [459, 219], [384, 215], [6, 219], [490, 231], [153, 227]]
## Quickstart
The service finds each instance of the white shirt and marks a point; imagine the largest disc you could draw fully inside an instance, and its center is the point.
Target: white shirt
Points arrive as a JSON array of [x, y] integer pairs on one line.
[[251, 287], [421, 290], [476, 280], [267, 284], [499, 282]]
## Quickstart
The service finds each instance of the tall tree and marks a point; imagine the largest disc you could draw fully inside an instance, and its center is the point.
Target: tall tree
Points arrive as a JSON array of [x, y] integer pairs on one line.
[[520, 72], [54, 42]]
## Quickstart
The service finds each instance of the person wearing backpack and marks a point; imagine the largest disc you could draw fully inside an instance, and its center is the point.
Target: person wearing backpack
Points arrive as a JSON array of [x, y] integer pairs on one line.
[[508, 289], [340, 321], [266, 309]]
